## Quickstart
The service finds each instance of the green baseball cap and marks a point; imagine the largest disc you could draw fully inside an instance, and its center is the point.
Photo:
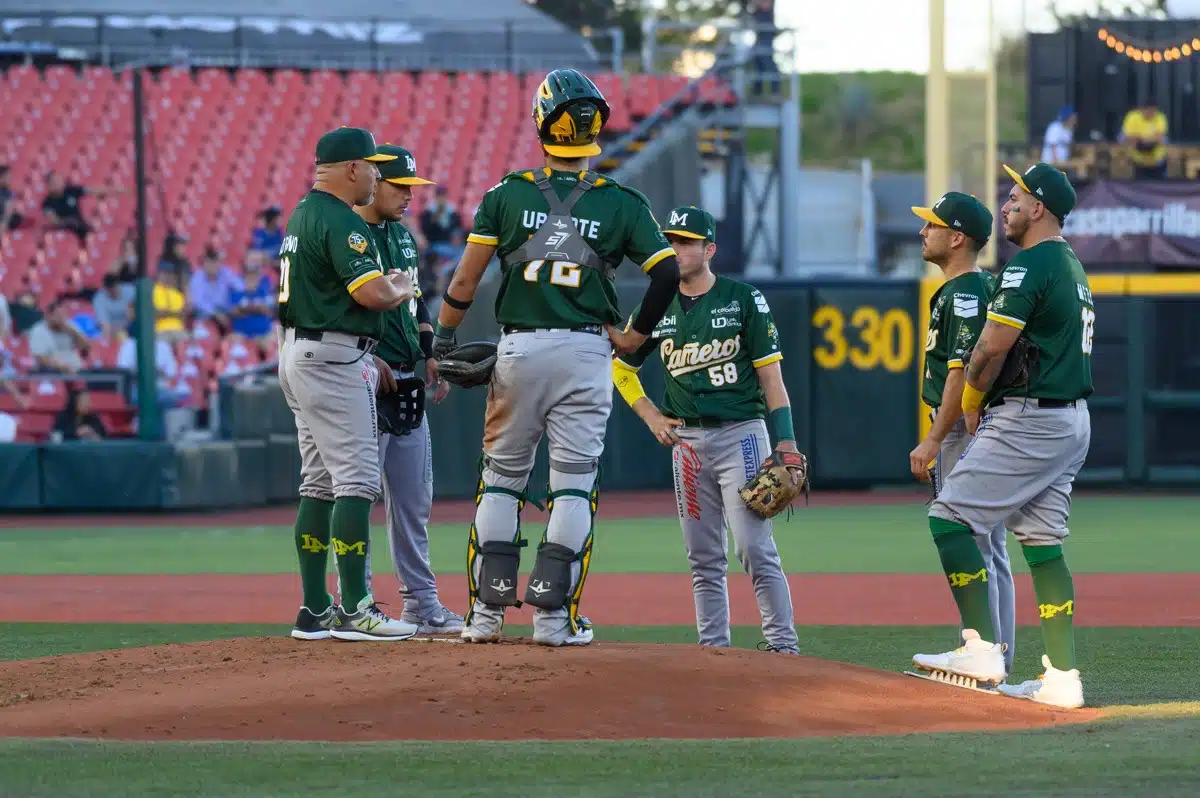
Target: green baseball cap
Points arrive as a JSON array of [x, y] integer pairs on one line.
[[691, 222], [1047, 185], [402, 169], [349, 144], [960, 212]]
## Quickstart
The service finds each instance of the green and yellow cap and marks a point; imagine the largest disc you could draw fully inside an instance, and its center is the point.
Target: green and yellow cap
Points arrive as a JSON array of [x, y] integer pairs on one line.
[[691, 222], [960, 212], [1048, 185], [402, 169], [349, 144]]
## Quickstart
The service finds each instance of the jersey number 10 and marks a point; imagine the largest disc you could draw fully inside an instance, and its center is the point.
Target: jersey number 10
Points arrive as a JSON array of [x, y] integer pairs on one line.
[[561, 272]]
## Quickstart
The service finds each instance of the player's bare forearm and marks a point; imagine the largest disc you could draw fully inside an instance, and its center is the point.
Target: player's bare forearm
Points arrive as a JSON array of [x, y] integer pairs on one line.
[[950, 410], [645, 408], [988, 356], [464, 284], [770, 377]]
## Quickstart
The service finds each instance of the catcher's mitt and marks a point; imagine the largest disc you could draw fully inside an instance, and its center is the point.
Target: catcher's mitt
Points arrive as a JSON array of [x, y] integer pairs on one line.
[[469, 365], [770, 491], [401, 412], [1020, 364]]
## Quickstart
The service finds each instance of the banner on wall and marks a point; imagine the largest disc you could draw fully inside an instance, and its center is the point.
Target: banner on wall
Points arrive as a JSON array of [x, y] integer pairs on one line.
[[1128, 223]]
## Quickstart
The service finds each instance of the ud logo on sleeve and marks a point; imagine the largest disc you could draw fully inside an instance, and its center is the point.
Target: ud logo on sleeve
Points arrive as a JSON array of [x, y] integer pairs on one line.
[[357, 243]]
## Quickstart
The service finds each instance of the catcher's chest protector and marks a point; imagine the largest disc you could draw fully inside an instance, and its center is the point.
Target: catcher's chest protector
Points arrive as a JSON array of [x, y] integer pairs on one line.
[[558, 239]]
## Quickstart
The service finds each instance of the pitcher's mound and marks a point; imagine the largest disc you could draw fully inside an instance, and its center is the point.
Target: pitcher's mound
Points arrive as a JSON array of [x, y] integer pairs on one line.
[[277, 688]]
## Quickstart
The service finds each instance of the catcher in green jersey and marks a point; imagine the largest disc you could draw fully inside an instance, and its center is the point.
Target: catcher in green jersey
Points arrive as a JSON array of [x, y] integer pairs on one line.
[[1030, 374], [956, 228], [721, 352], [405, 451], [332, 297], [560, 231]]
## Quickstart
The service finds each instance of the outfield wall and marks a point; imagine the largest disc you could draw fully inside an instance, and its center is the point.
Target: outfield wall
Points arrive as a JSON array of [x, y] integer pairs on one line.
[[852, 364]]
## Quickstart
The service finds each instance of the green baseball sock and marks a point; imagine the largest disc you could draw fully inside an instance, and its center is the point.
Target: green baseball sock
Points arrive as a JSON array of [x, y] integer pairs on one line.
[[312, 547], [966, 573], [351, 527], [1055, 591]]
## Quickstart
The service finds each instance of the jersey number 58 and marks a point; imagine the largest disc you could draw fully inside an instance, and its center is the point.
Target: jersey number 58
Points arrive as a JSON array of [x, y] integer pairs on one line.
[[723, 375]]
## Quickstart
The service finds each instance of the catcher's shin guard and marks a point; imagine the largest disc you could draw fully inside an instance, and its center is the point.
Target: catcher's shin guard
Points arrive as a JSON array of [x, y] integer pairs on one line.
[[572, 504], [494, 542]]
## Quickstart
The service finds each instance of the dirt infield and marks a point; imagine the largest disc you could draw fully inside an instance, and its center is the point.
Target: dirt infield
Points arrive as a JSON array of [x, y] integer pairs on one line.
[[277, 688], [610, 599]]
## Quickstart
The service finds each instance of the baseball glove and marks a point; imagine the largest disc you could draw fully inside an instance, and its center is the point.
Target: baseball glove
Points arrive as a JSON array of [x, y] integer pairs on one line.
[[469, 365], [770, 491], [1020, 364], [402, 411]]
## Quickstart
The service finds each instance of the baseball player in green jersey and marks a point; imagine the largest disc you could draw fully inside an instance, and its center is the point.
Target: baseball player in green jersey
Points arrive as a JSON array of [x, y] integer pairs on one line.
[[1030, 374], [560, 232], [720, 349], [956, 228], [407, 460], [332, 297]]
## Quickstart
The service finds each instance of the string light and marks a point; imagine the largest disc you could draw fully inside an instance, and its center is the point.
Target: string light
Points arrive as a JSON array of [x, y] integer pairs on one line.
[[1149, 54]]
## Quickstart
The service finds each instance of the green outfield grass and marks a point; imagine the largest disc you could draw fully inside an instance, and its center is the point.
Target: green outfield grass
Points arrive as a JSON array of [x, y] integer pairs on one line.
[[1111, 535]]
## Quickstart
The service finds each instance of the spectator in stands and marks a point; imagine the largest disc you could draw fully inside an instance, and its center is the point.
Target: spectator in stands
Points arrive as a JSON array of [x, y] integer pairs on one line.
[[172, 255], [25, 313], [8, 371], [210, 292], [61, 207], [55, 341], [171, 393], [1060, 135], [267, 237], [126, 267], [113, 307], [1145, 130], [254, 301], [76, 421], [170, 306], [439, 222], [10, 219]]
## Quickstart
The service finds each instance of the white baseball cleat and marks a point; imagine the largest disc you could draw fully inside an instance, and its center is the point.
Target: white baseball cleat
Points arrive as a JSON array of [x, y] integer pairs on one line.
[[1054, 687], [548, 632], [484, 624], [977, 659]]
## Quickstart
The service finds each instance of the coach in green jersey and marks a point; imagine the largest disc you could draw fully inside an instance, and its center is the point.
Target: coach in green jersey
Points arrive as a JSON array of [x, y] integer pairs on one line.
[[332, 296], [1031, 441], [956, 228], [720, 349]]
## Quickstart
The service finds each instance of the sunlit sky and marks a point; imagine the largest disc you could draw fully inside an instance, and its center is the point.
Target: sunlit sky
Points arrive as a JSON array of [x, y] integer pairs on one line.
[[852, 35]]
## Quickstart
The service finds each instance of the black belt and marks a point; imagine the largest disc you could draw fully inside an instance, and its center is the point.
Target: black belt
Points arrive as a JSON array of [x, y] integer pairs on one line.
[[592, 329], [365, 343], [708, 422], [1045, 404]]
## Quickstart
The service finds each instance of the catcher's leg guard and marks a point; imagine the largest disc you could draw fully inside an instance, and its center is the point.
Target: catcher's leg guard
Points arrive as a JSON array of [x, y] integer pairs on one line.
[[550, 582], [573, 501], [495, 543]]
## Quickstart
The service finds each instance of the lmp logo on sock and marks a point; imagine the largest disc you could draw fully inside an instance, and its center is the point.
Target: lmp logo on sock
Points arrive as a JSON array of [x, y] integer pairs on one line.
[[341, 548], [309, 543], [1052, 610], [961, 579]]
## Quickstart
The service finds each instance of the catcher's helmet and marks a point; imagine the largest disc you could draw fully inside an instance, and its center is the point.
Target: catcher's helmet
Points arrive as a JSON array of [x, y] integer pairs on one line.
[[569, 112]]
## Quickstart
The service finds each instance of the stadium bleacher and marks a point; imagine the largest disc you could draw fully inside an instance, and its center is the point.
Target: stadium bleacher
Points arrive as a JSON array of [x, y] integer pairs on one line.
[[222, 145]]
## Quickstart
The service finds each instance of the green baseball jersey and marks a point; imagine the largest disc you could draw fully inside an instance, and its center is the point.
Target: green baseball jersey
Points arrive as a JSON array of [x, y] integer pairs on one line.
[[327, 253], [956, 314], [1044, 292], [711, 350], [401, 342], [614, 220]]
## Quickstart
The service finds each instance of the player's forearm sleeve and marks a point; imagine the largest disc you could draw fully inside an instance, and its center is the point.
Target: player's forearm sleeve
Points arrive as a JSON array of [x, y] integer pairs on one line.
[[664, 282], [625, 377], [422, 312]]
